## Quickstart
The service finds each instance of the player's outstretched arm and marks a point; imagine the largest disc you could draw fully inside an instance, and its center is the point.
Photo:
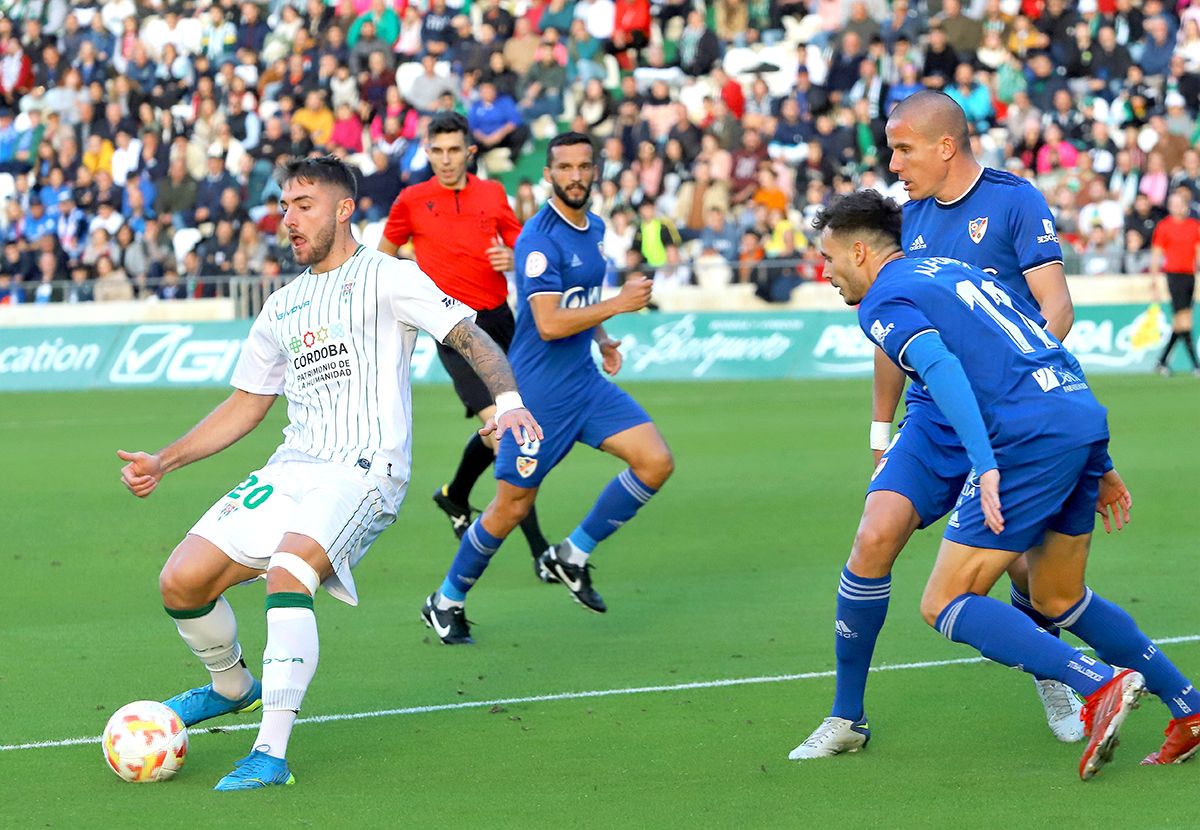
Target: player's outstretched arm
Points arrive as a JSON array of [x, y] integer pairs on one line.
[[234, 417], [1048, 285], [886, 390], [948, 384], [555, 323], [488, 360]]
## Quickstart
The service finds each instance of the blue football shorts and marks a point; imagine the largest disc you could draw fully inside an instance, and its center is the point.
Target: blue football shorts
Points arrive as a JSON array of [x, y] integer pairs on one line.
[[602, 411], [1050, 489], [925, 463]]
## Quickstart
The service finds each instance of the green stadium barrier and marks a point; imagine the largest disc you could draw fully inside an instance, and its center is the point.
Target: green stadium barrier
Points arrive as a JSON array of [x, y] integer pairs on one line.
[[657, 346]]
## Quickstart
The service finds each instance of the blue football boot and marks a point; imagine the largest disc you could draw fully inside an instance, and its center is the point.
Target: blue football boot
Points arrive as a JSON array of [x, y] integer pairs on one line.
[[200, 704], [255, 771]]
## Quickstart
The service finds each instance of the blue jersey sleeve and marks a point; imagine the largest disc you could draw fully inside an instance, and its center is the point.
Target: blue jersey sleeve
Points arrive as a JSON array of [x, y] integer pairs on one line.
[[1033, 234], [539, 265], [892, 321]]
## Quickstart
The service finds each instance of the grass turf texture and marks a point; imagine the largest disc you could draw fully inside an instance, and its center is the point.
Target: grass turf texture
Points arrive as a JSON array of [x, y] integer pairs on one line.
[[730, 572]]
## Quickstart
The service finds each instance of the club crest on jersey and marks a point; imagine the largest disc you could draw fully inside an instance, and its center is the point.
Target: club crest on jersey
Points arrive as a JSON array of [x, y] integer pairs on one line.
[[535, 264], [977, 228], [526, 466]]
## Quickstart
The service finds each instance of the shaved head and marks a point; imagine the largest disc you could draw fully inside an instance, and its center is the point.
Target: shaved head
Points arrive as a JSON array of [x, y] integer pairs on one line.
[[932, 115], [931, 147]]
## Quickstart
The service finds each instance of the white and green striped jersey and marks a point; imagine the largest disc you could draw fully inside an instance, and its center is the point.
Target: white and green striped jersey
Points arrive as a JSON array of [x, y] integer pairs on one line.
[[338, 345]]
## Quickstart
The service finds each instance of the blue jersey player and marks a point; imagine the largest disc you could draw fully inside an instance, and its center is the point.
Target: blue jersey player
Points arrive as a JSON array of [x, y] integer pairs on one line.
[[560, 267], [1001, 224], [1037, 441]]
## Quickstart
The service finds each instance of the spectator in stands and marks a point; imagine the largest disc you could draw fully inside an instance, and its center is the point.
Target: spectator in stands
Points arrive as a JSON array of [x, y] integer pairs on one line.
[[1154, 55], [699, 48], [720, 237], [941, 60], [209, 189], [112, 284], [963, 33], [674, 272], [170, 288], [746, 161], [542, 87], [496, 123], [1136, 258], [655, 233]]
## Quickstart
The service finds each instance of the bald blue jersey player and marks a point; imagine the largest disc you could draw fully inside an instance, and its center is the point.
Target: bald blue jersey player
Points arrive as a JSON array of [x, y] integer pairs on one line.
[[560, 314], [1001, 224]]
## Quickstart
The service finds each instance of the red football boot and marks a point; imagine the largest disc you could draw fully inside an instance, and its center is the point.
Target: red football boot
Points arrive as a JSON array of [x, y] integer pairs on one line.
[[1103, 713], [1182, 743]]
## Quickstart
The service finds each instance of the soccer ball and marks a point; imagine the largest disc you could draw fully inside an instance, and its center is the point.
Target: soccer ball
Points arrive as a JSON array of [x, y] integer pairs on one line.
[[145, 741]]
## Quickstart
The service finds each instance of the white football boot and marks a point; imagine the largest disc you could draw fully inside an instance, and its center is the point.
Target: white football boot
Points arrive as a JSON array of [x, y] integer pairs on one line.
[[833, 737], [1062, 707]]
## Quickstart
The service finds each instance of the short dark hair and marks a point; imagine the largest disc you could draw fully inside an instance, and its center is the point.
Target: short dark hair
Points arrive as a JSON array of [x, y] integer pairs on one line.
[[567, 139], [862, 212], [448, 122], [322, 169]]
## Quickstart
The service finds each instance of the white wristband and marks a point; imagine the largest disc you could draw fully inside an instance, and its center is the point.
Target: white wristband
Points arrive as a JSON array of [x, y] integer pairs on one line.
[[881, 434], [508, 401]]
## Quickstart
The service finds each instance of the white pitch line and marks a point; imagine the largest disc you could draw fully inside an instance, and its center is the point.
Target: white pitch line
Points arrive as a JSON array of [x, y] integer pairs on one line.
[[508, 701]]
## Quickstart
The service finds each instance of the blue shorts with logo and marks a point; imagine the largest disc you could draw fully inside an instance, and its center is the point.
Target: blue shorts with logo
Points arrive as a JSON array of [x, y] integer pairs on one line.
[[925, 463], [1050, 489], [600, 412]]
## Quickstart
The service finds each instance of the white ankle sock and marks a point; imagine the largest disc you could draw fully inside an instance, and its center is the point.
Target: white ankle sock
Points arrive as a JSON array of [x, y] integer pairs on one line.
[[442, 604]]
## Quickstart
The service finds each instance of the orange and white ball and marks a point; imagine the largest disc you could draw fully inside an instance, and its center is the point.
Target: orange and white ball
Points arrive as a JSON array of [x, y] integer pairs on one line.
[[145, 741]]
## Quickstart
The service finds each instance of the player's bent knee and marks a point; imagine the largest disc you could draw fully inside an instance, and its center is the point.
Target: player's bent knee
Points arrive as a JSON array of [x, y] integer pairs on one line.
[[182, 587], [1053, 607], [932, 606], [875, 550], [657, 469]]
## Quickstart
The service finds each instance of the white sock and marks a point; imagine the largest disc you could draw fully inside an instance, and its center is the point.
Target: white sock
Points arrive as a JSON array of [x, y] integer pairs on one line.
[[289, 663], [274, 731], [442, 604], [213, 639], [568, 552]]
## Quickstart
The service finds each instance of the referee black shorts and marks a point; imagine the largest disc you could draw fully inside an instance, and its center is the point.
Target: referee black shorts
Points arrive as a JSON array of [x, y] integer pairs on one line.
[[498, 322], [1183, 290]]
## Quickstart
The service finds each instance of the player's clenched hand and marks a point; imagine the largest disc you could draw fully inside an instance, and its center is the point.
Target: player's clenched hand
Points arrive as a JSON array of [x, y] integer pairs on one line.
[[142, 474], [635, 293], [1114, 498], [989, 499], [520, 422], [500, 255], [610, 355]]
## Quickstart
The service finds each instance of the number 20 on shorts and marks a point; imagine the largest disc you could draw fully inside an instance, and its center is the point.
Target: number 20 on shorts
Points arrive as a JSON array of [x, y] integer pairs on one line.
[[250, 494]]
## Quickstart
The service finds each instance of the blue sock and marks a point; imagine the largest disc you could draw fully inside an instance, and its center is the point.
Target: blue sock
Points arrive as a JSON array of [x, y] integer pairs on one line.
[[1002, 633], [474, 553], [1021, 601], [1107, 628], [619, 501], [862, 605]]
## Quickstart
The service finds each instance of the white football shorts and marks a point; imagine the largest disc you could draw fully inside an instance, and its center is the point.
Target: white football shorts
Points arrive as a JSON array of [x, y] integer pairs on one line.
[[343, 508]]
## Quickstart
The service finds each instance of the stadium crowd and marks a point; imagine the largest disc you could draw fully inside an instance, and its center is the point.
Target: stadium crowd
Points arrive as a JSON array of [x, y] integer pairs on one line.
[[137, 139]]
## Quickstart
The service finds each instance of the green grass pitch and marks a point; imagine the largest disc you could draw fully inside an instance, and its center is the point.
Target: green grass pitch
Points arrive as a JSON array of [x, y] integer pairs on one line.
[[729, 573]]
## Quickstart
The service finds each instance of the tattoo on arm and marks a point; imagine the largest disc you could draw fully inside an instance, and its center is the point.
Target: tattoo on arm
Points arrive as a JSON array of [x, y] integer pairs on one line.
[[483, 355]]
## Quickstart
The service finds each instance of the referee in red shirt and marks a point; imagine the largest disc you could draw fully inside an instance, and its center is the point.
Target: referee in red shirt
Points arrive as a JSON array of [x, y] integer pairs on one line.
[[463, 231], [1175, 247]]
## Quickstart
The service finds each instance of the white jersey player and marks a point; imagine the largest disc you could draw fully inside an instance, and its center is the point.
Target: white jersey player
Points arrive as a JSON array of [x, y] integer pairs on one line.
[[337, 343]]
